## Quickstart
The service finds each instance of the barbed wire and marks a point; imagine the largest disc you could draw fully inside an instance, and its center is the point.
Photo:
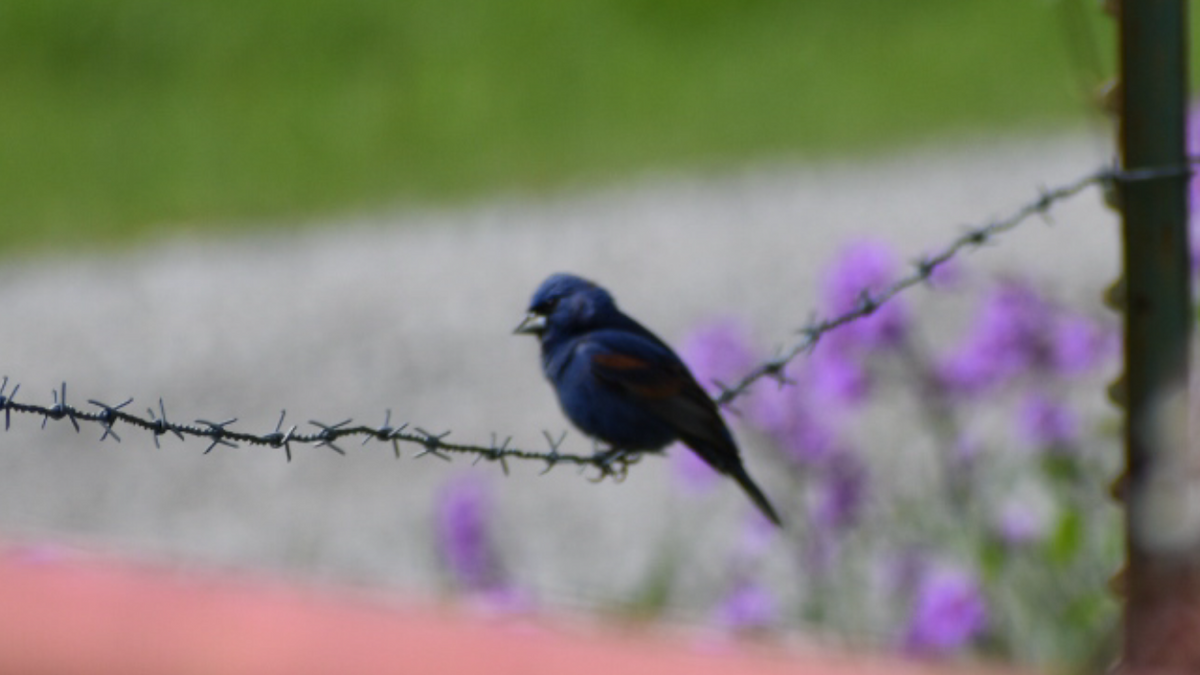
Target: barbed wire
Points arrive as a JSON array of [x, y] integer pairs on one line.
[[923, 268], [327, 435], [922, 272], [610, 463]]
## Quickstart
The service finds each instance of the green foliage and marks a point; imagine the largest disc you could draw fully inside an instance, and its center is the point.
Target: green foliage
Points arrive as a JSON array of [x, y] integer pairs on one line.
[[119, 117], [1066, 539]]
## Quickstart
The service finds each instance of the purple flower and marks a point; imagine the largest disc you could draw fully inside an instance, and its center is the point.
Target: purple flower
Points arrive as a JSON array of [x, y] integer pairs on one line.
[[839, 495], [1010, 335], [948, 611], [1044, 423], [784, 412], [787, 415], [967, 371], [1015, 332], [871, 267], [835, 376], [748, 607], [463, 540], [835, 370], [718, 351], [1080, 345], [835, 501], [770, 405], [808, 438]]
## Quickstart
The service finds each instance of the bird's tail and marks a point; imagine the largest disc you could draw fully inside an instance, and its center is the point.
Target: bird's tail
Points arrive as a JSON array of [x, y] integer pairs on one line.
[[738, 473]]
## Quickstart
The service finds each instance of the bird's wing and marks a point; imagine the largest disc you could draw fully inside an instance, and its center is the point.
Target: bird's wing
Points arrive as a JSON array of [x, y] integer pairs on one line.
[[649, 373], [662, 384], [635, 365]]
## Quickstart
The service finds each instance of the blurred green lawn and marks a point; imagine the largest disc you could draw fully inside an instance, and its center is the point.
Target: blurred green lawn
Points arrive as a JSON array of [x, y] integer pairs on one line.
[[124, 117]]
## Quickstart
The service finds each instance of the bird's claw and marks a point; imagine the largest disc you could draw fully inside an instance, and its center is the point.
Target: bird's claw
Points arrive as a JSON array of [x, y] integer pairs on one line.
[[615, 463]]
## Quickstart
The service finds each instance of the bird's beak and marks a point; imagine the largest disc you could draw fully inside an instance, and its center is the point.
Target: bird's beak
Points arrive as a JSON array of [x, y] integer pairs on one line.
[[533, 324]]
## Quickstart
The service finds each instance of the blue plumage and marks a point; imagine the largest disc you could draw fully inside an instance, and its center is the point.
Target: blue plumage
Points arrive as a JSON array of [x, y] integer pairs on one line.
[[621, 384]]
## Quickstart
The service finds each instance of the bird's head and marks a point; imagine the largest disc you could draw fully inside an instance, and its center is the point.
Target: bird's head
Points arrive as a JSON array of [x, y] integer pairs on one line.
[[564, 305]]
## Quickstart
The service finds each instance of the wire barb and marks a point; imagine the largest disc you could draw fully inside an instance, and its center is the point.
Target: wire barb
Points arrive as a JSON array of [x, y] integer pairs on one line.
[[217, 432], [552, 458], [278, 438], [60, 409], [160, 425], [497, 454], [106, 417], [387, 433], [433, 443], [329, 434], [8, 401]]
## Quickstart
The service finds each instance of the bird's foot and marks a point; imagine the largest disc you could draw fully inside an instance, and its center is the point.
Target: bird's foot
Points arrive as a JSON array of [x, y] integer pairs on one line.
[[614, 462]]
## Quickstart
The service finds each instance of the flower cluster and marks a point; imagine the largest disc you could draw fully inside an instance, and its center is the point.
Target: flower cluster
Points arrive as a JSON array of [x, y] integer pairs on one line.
[[948, 610], [973, 498], [466, 547], [997, 507]]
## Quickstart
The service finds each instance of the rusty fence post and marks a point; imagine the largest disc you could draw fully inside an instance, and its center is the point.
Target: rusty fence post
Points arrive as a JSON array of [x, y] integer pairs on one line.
[[1162, 482]]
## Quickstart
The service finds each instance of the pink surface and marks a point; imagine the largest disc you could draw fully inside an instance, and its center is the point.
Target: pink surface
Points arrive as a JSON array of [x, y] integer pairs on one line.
[[70, 613]]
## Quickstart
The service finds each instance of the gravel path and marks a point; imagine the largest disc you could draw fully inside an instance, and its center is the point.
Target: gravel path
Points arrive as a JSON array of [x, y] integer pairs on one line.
[[413, 311]]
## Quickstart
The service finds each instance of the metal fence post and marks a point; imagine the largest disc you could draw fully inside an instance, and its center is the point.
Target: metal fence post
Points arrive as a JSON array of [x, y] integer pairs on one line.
[[1162, 578]]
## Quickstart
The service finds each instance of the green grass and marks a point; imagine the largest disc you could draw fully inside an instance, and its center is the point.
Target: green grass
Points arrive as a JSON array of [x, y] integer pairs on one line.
[[127, 117]]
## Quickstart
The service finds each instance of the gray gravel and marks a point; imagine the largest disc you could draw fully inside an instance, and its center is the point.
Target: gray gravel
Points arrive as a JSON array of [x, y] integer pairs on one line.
[[413, 311]]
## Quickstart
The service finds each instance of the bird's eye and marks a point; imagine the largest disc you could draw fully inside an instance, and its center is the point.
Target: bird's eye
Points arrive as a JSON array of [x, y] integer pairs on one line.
[[546, 306]]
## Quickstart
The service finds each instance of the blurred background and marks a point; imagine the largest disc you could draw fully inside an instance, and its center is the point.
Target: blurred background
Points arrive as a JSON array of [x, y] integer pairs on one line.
[[341, 209], [135, 118]]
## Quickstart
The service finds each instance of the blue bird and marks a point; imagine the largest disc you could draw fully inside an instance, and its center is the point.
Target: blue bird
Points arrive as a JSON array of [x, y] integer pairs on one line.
[[619, 383]]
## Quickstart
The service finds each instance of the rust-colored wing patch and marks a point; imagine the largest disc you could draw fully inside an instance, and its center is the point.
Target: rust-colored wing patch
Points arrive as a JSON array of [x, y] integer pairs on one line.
[[619, 362], [637, 376]]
